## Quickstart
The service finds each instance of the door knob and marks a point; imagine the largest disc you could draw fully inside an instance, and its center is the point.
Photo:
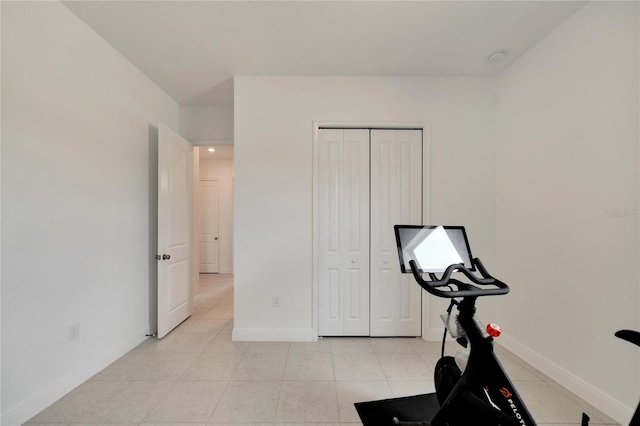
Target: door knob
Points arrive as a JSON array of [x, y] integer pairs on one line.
[[353, 261], [385, 261], [216, 238]]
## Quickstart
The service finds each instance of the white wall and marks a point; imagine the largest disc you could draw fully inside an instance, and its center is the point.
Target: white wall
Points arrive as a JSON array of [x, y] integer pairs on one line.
[[273, 168], [0, 216], [79, 188], [222, 170], [207, 125], [567, 155]]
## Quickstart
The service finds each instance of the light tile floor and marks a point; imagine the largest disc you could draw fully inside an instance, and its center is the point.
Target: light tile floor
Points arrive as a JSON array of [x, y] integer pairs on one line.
[[198, 376]]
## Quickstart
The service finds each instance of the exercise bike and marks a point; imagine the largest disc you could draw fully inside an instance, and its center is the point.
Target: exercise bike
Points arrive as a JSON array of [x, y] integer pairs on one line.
[[473, 390]]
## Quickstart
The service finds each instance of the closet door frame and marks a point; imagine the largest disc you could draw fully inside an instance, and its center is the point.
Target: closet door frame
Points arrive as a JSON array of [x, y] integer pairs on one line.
[[426, 204]]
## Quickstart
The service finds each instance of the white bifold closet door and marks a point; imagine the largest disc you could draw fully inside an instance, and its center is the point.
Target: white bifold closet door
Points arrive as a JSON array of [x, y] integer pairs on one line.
[[368, 181], [343, 220], [396, 198]]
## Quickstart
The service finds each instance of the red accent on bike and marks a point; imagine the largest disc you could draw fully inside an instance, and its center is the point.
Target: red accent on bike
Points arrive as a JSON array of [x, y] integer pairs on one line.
[[505, 392], [494, 330]]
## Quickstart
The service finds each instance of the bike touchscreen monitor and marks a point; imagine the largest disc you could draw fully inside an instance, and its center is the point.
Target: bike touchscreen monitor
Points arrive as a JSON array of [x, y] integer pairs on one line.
[[434, 248]]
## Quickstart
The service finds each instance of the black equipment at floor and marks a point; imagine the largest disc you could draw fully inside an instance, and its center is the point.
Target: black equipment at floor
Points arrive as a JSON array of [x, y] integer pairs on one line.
[[413, 408], [473, 390], [632, 337]]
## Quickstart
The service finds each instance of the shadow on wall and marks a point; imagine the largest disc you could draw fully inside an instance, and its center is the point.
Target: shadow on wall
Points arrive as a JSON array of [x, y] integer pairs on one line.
[[220, 94]]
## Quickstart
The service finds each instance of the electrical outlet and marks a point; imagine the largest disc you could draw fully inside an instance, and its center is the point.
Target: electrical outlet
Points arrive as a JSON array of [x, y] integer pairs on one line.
[[74, 332], [276, 302]]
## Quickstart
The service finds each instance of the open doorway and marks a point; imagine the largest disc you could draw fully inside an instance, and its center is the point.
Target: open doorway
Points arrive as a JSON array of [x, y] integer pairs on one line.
[[215, 231], [216, 209]]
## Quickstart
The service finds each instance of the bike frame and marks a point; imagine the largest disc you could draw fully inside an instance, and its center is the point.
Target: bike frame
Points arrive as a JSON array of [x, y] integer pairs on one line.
[[484, 386]]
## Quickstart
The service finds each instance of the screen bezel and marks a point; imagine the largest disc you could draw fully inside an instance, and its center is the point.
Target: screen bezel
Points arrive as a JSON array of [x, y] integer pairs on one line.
[[396, 229]]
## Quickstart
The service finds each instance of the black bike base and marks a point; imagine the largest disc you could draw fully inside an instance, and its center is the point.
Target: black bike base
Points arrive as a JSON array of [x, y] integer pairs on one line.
[[418, 408]]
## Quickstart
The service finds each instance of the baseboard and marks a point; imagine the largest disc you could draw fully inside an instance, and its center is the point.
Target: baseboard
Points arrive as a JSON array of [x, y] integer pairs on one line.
[[602, 401], [433, 334], [272, 335], [30, 408]]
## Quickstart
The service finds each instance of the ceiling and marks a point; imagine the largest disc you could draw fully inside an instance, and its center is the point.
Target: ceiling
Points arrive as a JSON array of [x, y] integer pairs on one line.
[[192, 49], [221, 152]]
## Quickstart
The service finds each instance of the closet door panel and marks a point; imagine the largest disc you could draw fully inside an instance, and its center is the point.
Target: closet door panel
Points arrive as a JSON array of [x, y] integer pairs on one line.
[[355, 217], [329, 192], [343, 220], [396, 198], [410, 212], [384, 210]]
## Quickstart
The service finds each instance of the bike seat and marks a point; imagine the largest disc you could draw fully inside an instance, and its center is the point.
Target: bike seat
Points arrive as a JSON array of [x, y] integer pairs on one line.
[[629, 336]]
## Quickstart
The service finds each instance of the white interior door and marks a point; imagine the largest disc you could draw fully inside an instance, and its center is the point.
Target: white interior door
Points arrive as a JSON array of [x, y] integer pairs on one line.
[[343, 240], [174, 229], [209, 226], [396, 198]]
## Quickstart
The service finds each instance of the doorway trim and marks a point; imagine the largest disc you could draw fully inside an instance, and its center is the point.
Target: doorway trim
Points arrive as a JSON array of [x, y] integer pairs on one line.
[[426, 200]]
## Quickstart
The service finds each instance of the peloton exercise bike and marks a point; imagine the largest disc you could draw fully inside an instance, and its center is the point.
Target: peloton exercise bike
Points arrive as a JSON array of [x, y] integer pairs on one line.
[[473, 390]]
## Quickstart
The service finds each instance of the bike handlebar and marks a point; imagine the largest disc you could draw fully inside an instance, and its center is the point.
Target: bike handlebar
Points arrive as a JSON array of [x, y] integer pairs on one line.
[[464, 289]]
